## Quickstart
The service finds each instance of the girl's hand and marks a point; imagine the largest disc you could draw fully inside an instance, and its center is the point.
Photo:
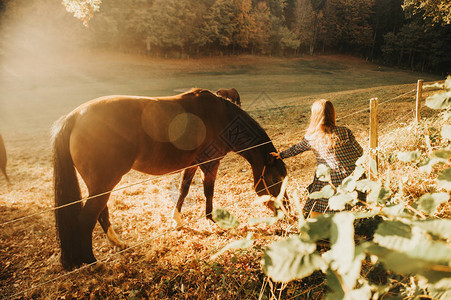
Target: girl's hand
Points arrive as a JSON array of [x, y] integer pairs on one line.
[[275, 154]]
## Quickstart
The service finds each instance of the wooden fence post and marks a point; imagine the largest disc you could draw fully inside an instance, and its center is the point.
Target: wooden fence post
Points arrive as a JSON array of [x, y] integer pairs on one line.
[[418, 102], [374, 120]]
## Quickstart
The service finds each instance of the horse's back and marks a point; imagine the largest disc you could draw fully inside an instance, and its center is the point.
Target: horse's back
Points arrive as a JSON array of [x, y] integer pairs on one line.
[[153, 135]]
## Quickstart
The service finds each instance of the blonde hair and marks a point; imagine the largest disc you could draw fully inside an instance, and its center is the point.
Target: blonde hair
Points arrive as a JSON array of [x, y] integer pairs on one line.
[[322, 121]]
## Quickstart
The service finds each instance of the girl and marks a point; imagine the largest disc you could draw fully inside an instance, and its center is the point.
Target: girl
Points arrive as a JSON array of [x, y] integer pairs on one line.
[[333, 146]]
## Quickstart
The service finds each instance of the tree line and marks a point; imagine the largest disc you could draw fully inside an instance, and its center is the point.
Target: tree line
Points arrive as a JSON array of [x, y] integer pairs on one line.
[[412, 34]]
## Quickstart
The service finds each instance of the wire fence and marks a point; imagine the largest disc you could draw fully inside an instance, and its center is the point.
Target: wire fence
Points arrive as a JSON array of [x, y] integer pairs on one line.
[[128, 186], [176, 171], [108, 258], [104, 260]]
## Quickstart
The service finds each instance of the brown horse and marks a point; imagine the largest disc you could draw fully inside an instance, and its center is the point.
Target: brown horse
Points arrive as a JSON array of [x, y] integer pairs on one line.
[[3, 158], [107, 137], [231, 94]]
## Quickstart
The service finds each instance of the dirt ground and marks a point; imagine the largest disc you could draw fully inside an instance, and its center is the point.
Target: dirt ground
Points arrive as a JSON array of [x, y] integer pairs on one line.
[[163, 263]]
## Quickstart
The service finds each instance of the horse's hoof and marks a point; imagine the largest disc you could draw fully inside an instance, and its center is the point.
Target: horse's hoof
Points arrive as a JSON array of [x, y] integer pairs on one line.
[[97, 266], [115, 240], [176, 224], [122, 246], [177, 219]]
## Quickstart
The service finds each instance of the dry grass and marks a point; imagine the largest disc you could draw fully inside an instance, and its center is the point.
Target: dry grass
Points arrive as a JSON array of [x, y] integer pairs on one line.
[[175, 264]]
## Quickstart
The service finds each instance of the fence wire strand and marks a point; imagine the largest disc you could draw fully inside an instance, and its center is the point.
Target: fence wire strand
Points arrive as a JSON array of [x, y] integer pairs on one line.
[[127, 186], [174, 172], [105, 260]]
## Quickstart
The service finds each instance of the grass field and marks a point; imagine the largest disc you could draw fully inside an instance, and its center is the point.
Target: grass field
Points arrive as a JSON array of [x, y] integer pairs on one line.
[[277, 92]]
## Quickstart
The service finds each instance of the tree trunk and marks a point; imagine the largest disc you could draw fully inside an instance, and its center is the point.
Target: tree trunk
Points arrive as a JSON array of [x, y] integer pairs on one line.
[[374, 42], [412, 60], [315, 33]]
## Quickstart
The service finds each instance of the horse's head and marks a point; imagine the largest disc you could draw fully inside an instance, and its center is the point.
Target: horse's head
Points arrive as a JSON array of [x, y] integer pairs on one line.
[[270, 180]]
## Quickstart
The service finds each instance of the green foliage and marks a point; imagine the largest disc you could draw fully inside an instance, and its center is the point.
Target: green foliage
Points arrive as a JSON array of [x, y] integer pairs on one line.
[[403, 235], [225, 219], [444, 179], [408, 156], [428, 203], [441, 100], [326, 192], [290, 259], [446, 132], [240, 244], [437, 11], [268, 221], [323, 173], [371, 28], [83, 10]]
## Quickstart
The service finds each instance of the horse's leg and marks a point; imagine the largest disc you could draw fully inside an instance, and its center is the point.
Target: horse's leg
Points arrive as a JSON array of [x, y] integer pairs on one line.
[[6, 175], [187, 178], [89, 215], [104, 220], [210, 170]]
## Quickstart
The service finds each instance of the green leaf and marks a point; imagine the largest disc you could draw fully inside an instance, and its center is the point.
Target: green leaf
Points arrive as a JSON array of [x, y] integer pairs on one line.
[[240, 244], [326, 192], [323, 173], [358, 172], [440, 290], [394, 210], [437, 157], [262, 199], [349, 184], [291, 259], [423, 257], [437, 227], [361, 161], [366, 185], [392, 228], [444, 179], [446, 132], [342, 240], [333, 282], [439, 101], [318, 228], [441, 155], [338, 201], [299, 210], [408, 156], [426, 165], [447, 83], [429, 203], [411, 241], [268, 221], [225, 219], [378, 194], [407, 249]]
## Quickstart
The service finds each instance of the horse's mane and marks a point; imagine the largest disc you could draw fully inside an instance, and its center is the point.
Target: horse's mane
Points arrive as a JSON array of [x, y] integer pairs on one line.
[[196, 92], [233, 111]]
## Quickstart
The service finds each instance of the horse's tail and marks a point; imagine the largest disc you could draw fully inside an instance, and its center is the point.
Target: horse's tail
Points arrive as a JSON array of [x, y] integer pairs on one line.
[[67, 193], [3, 158]]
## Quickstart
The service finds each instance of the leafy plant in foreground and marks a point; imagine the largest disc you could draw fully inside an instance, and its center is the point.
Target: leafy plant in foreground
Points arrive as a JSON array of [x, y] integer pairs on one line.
[[408, 239]]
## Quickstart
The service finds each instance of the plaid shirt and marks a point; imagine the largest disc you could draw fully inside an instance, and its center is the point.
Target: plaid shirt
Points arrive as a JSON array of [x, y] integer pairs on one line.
[[340, 160]]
